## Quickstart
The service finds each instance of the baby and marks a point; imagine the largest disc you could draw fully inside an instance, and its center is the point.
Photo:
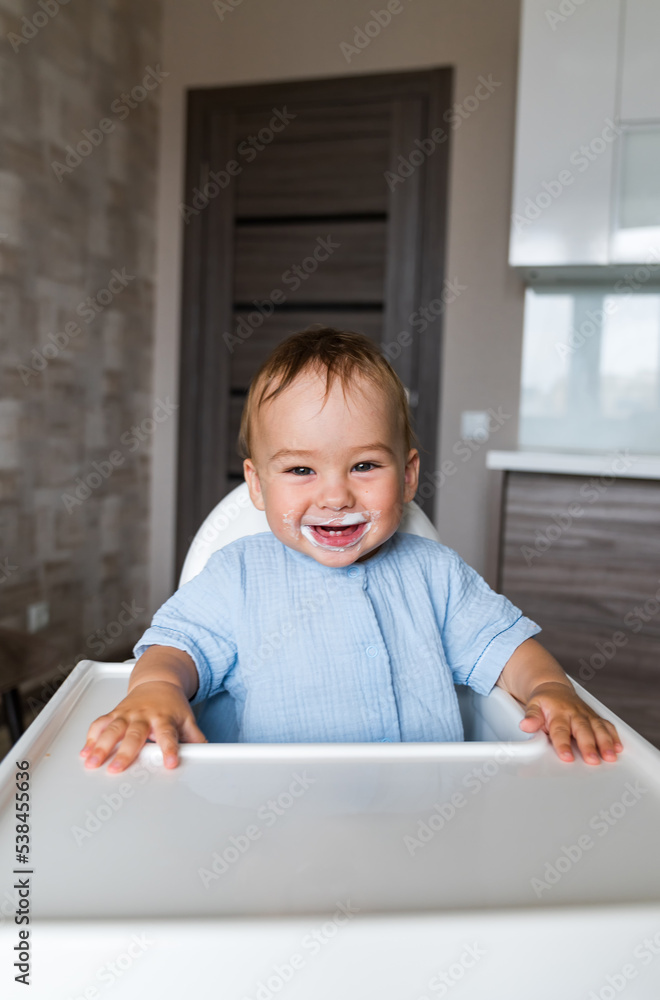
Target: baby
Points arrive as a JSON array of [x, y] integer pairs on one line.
[[333, 626]]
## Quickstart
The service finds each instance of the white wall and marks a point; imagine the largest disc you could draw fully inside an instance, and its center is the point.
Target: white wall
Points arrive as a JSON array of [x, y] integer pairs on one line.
[[263, 40]]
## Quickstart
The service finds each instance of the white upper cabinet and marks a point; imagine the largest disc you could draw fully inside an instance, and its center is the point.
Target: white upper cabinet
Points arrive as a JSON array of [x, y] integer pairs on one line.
[[587, 159], [636, 222], [636, 228], [640, 61]]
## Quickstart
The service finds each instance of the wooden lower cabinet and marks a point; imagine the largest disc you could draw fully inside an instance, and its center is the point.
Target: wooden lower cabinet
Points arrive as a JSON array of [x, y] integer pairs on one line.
[[580, 555]]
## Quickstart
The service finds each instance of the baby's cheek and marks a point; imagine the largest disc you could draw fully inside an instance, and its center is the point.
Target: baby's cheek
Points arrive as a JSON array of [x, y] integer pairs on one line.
[[289, 524]]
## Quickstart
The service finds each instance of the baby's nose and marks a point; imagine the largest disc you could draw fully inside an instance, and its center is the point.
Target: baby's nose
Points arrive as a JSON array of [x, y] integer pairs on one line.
[[336, 496]]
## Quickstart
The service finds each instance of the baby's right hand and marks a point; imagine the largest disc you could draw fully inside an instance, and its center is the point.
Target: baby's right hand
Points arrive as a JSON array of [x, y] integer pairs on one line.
[[153, 709]]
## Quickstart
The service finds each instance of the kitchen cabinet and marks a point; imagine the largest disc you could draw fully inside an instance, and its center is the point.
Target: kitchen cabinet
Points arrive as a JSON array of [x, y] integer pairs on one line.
[[580, 555], [587, 156], [640, 65], [636, 229]]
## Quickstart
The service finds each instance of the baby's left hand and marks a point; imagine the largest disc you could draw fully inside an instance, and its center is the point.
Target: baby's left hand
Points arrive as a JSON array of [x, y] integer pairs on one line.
[[561, 713]]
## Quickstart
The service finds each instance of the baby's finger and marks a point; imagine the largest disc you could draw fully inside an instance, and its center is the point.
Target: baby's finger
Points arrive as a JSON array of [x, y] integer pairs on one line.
[[533, 720], [130, 746], [191, 733], [618, 745], [107, 741], [559, 732], [586, 739], [604, 739], [94, 732], [167, 738]]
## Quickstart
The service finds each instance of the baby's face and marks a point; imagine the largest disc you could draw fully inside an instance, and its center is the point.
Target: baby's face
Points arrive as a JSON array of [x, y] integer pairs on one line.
[[332, 478]]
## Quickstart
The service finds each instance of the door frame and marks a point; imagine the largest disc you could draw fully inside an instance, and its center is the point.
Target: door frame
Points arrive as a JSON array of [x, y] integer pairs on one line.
[[415, 274]]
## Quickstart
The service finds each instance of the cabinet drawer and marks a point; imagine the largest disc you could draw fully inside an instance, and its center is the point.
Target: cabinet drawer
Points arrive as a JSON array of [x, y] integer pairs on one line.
[[581, 556]]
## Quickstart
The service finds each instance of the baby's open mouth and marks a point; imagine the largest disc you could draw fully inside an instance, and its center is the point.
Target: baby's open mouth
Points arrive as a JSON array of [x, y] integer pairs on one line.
[[335, 536]]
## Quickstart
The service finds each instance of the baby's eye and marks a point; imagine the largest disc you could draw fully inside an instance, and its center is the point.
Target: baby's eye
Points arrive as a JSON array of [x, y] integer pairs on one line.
[[361, 466], [300, 470]]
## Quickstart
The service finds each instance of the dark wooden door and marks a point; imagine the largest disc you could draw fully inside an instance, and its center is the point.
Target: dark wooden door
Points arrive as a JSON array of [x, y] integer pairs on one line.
[[321, 201]]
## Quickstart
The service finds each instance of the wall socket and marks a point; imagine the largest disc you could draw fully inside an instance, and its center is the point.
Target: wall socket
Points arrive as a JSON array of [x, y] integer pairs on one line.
[[38, 616]]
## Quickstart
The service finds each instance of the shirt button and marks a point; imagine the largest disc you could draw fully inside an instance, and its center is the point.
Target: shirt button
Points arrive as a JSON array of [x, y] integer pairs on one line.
[[386, 739], [372, 651], [353, 571]]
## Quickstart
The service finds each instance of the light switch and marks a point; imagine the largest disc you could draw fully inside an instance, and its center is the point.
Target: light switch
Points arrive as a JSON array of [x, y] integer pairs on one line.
[[475, 425], [38, 616]]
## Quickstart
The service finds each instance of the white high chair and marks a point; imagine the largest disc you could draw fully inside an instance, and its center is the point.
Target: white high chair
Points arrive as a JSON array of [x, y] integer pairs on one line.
[[235, 517]]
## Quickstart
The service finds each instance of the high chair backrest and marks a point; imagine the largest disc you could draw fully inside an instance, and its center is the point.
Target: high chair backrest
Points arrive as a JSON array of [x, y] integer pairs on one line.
[[236, 516]]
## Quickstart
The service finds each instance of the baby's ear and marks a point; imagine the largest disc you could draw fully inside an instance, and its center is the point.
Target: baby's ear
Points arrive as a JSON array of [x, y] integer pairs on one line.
[[411, 475], [254, 485]]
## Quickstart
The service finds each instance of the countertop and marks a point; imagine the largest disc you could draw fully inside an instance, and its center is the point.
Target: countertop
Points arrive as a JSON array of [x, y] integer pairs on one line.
[[621, 463]]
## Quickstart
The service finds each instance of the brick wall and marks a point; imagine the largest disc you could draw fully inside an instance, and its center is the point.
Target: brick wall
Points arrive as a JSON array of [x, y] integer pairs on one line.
[[80, 85]]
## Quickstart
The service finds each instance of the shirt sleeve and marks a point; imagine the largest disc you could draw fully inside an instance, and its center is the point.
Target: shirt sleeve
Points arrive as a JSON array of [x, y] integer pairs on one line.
[[198, 619], [481, 628]]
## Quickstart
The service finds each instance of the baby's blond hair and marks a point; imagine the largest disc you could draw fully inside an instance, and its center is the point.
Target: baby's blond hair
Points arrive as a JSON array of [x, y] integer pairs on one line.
[[341, 354]]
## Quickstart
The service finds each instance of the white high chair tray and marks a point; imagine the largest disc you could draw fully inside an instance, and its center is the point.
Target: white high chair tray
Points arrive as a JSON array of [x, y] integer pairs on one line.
[[380, 866]]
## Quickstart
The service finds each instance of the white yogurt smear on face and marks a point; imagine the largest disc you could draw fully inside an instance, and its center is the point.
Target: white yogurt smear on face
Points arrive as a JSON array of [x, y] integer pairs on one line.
[[346, 519], [309, 535], [288, 521]]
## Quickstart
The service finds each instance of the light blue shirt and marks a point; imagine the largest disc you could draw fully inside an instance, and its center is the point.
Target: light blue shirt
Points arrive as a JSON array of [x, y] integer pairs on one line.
[[312, 653]]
